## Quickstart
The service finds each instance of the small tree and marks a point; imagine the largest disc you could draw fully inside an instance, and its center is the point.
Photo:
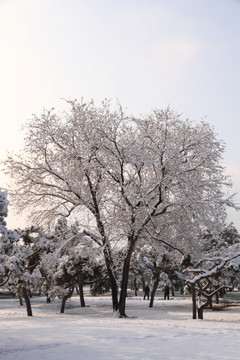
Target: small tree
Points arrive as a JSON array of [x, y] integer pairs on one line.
[[202, 277], [70, 263]]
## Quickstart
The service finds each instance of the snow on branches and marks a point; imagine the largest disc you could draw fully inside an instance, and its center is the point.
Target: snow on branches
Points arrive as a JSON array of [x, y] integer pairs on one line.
[[122, 177]]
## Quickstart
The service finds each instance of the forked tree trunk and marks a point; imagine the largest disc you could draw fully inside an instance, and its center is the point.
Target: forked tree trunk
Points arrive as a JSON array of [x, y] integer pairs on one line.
[[27, 301], [204, 306], [155, 286], [208, 302]]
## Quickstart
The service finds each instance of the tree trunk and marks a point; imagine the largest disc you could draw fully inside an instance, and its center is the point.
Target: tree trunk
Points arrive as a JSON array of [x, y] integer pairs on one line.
[[48, 299], [143, 283], [194, 304], [155, 286], [64, 299], [135, 286], [20, 300], [200, 312], [81, 294], [210, 303], [113, 282], [204, 306], [114, 289], [63, 303], [27, 301], [124, 283], [107, 250]]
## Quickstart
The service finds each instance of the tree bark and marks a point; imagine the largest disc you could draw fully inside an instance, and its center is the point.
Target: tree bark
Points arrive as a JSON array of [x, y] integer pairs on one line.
[[143, 283], [63, 303], [135, 286], [208, 301], [200, 313], [204, 306], [194, 304], [155, 286], [124, 283], [81, 294], [20, 300], [113, 282], [107, 250], [64, 299], [27, 301]]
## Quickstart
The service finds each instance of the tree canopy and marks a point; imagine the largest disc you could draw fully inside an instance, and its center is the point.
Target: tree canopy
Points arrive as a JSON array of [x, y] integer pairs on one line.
[[125, 178]]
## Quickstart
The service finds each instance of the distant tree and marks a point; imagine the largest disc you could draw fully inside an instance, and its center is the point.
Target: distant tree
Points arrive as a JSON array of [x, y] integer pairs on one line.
[[230, 234], [157, 261], [140, 269], [126, 177]]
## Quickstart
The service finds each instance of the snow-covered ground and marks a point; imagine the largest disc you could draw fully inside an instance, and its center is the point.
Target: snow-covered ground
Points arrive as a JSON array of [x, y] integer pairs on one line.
[[164, 332]]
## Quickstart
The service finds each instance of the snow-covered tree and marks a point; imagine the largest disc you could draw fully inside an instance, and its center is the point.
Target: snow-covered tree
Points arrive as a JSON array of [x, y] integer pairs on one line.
[[7, 238], [230, 234], [125, 177], [18, 269], [151, 261], [214, 270], [70, 263]]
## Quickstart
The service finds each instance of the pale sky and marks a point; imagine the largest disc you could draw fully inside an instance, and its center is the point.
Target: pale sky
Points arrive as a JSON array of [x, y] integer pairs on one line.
[[145, 53]]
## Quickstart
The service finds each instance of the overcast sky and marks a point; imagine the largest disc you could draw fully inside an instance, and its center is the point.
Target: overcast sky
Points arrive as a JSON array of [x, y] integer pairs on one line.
[[145, 53]]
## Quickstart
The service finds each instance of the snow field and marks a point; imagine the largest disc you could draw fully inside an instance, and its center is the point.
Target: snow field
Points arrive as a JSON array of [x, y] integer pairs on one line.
[[164, 332]]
